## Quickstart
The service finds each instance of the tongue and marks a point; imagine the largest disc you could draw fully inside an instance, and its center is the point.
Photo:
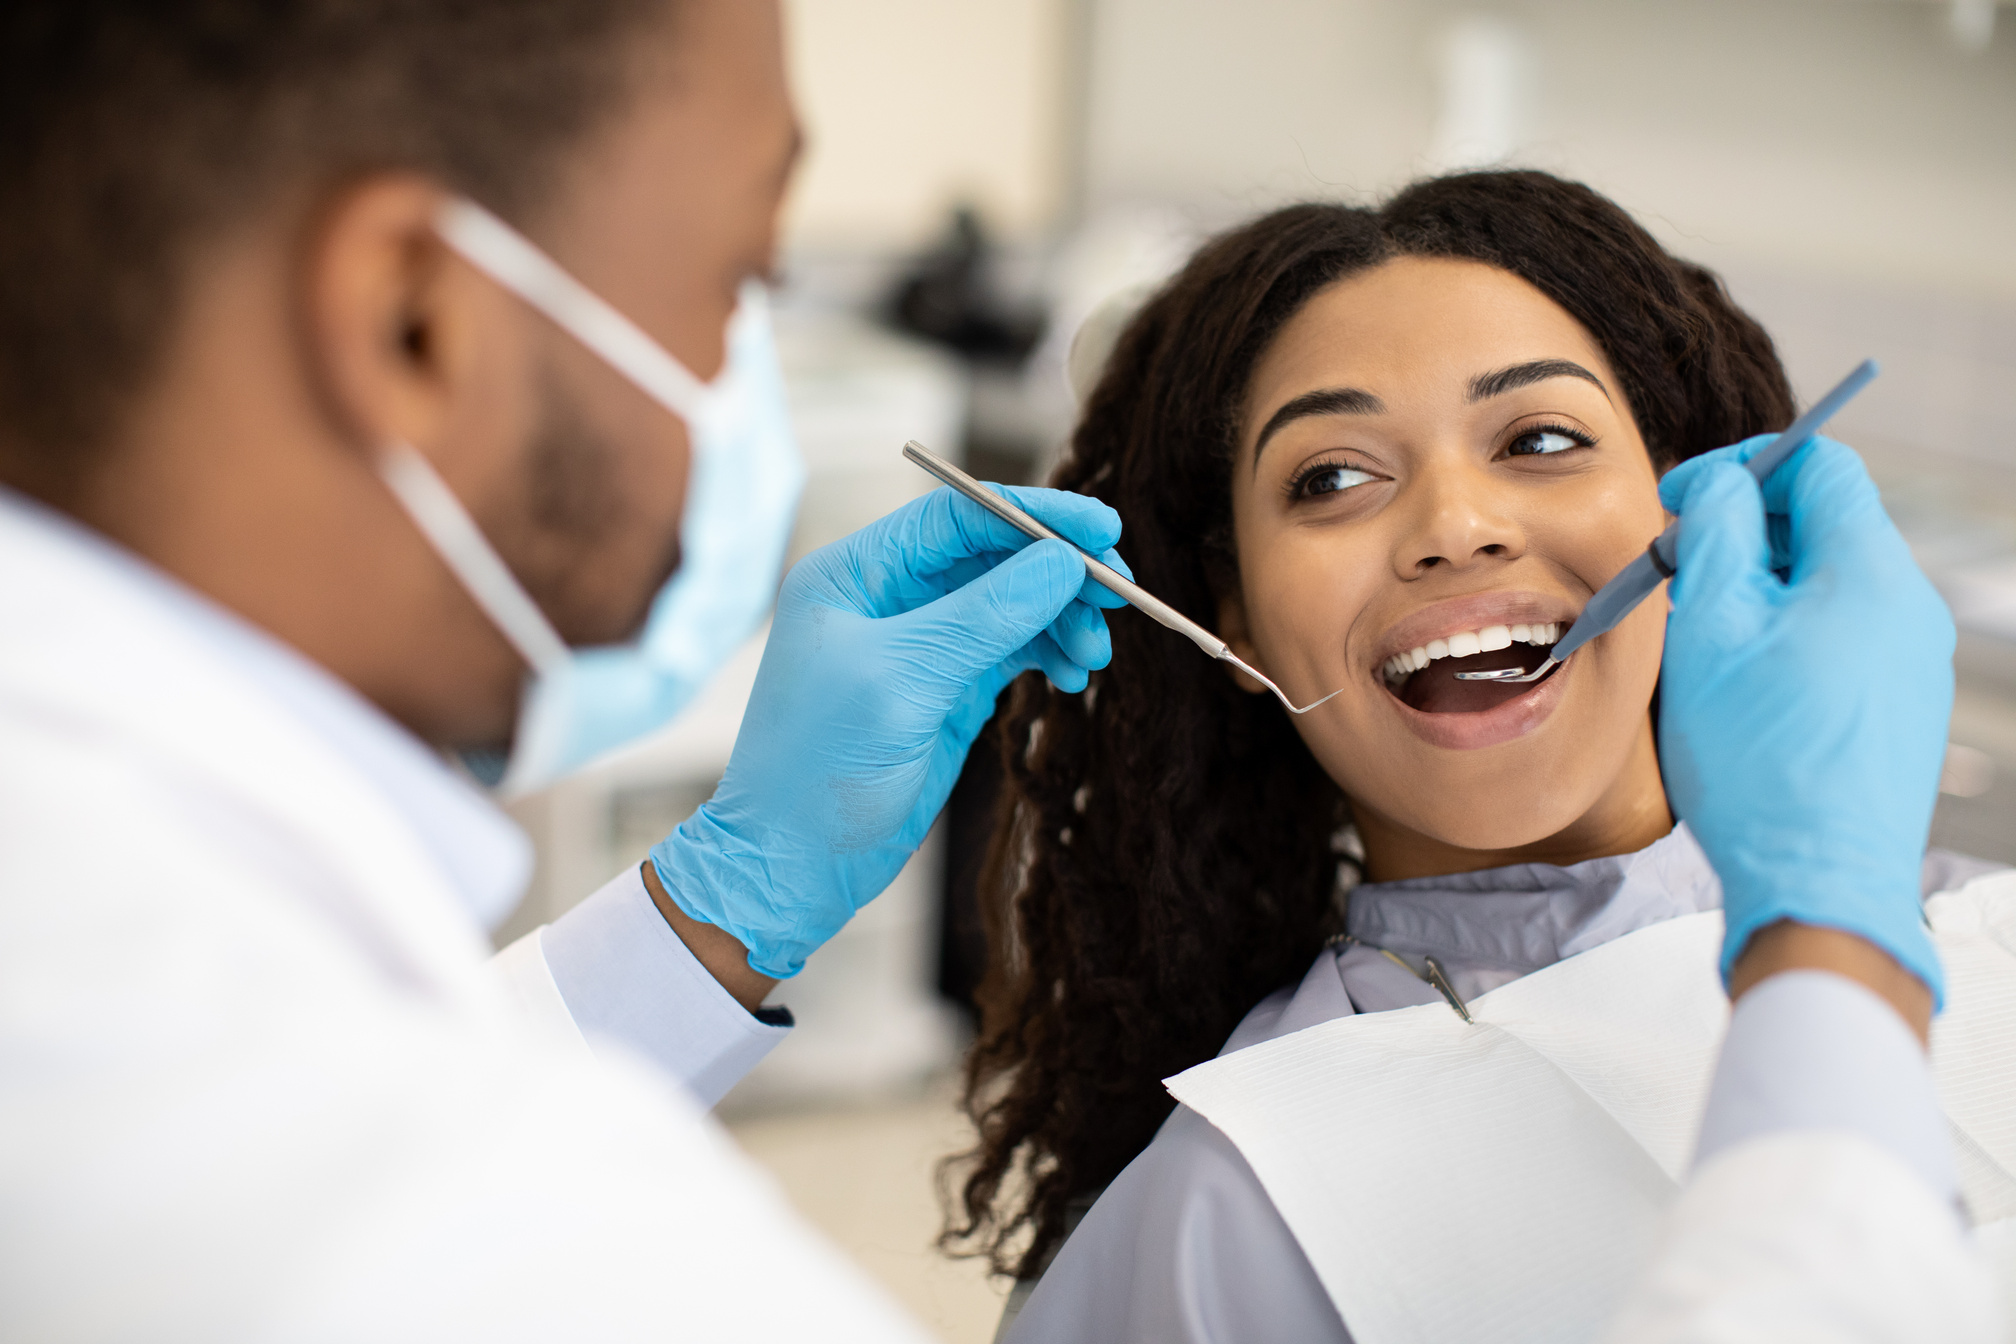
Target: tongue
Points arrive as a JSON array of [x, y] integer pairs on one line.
[[1435, 690]]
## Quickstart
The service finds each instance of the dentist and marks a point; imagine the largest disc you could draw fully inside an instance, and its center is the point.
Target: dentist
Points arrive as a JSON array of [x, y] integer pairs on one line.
[[388, 380], [313, 468]]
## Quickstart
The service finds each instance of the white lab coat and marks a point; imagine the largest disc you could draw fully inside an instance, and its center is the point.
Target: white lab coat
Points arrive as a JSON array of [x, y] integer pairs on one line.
[[259, 1080], [1811, 1238]]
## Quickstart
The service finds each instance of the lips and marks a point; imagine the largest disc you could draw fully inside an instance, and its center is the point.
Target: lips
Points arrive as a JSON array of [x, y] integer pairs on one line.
[[1483, 632]]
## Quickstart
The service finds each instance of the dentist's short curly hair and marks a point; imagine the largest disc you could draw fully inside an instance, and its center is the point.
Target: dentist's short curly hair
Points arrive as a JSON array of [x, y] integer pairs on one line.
[[133, 133]]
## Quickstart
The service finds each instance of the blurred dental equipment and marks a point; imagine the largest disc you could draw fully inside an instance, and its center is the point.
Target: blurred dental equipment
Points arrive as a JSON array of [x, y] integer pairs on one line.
[[1140, 598], [1620, 597]]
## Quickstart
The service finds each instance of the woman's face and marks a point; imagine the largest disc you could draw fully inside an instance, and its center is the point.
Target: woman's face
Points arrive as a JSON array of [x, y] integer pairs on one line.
[[1434, 454]]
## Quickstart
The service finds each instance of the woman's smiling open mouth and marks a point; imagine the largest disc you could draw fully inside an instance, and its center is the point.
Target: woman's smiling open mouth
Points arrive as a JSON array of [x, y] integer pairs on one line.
[[1417, 660], [1424, 677]]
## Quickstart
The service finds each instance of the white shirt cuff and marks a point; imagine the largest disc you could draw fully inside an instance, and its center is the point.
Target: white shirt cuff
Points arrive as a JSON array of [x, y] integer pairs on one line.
[[1810, 1050], [626, 976]]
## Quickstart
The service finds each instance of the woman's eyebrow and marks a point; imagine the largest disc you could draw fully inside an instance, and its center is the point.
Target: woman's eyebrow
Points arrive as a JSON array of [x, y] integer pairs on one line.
[[1327, 401], [1496, 384]]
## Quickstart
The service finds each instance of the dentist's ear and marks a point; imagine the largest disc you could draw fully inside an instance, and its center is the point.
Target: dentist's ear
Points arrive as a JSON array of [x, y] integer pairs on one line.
[[1232, 628], [406, 343]]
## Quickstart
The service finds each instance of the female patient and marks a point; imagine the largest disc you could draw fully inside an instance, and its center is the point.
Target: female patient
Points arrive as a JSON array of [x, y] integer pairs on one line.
[[1376, 448]]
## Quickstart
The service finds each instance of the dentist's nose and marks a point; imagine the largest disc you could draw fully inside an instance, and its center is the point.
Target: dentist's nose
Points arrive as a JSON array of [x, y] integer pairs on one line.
[[1458, 522]]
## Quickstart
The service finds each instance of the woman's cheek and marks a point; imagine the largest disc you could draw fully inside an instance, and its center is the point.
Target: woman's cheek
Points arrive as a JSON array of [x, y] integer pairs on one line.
[[1298, 595], [1647, 627]]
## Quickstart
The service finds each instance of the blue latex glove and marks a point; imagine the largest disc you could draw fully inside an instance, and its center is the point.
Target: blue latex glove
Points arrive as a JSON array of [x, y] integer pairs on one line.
[[1803, 721], [887, 653]]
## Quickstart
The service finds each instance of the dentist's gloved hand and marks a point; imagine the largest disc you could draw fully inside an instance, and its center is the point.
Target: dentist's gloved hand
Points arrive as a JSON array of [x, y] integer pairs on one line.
[[1803, 721], [885, 658]]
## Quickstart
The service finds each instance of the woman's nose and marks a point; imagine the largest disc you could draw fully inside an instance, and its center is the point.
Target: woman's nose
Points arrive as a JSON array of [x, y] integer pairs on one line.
[[1458, 521]]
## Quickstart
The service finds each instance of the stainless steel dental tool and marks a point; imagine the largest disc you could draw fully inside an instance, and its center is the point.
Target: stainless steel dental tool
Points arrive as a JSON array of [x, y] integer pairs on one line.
[[1618, 598], [1105, 575]]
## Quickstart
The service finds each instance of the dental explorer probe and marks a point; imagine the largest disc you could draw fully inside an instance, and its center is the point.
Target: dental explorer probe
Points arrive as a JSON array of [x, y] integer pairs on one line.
[[1103, 574], [1620, 597]]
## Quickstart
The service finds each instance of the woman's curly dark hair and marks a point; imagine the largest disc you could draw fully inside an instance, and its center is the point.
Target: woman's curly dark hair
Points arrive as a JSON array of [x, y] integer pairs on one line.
[[1164, 855]]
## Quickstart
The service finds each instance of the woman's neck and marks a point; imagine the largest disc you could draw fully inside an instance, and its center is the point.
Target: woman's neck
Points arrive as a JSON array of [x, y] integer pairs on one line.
[[1630, 815]]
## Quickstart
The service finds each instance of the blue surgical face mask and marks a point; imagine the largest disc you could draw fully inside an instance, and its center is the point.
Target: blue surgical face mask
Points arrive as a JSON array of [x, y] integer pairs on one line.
[[741, 494]]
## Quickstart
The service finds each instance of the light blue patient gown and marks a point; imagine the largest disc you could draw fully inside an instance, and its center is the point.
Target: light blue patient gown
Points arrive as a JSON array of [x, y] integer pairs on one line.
[[1184, 1247]]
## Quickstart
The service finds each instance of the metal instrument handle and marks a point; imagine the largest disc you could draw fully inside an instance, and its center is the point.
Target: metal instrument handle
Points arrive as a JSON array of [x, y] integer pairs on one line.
[[1104, 574]]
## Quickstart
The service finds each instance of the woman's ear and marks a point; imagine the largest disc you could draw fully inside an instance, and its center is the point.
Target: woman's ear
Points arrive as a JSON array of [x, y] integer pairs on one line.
[[1232, 629]]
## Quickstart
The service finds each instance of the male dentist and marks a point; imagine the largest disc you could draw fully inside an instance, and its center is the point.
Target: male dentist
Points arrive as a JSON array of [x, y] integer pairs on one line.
[[312, 466], [384, 380]]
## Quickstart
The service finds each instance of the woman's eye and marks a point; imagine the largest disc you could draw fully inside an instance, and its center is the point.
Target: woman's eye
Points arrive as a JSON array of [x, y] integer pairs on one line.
[[1539, 442], [1329, 481]]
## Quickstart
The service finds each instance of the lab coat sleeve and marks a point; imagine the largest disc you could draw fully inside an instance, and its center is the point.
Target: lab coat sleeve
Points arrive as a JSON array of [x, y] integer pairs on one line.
[[612, 970], [1808, 1050], [1816, 1236], [1823, 1204]]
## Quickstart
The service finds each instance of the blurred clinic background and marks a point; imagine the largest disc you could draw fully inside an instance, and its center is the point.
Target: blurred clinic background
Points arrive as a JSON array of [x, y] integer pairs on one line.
[[981, 174]]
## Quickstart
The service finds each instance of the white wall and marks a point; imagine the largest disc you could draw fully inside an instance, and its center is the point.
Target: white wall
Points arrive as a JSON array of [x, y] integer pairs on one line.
[[1229, 107], [1821, 134], [913, 105]]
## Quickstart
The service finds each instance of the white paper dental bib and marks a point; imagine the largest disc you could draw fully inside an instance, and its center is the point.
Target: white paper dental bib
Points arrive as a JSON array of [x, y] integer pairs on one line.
[[1502, 1182]]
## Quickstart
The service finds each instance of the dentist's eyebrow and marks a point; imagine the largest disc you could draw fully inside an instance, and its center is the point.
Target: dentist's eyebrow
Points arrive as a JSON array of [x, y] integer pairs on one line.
[[1328, 401], [1496, 384]]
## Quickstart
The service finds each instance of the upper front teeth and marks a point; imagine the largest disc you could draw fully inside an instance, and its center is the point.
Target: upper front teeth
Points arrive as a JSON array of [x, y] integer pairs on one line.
[[1488, 640]]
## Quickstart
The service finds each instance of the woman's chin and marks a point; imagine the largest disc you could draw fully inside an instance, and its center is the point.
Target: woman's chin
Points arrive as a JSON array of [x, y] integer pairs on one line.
[[1488, 826], [1483, 779]]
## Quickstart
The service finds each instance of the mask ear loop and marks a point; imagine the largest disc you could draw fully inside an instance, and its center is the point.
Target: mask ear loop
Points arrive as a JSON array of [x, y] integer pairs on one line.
[[509, 258], [513, 261], [469, 555], [462, 546]]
